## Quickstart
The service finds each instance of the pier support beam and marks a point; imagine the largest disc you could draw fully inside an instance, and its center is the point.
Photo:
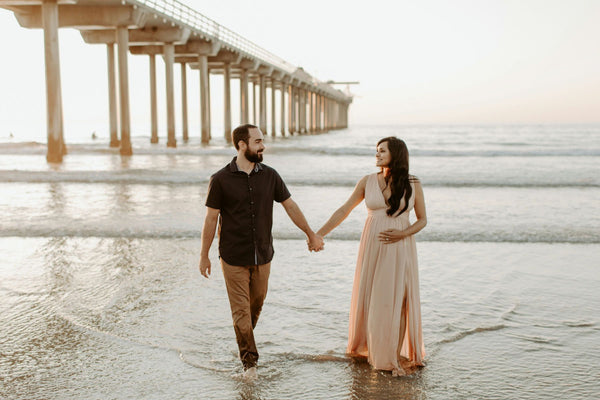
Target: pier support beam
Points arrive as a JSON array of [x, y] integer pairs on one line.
[[184, 105], [254, 108], [208, 102], [299, 128], [323, 120], [306, 110], [123, 49], [153, 101], [318, 112], [273, 120], [325, 114], [294, 110], [311, 109], [289, 105], [346, 115], [292, 102], [263, 104], [54, 117], [244, 96], [204, 98], [283, 90], [112, 96], [169, 57], [325, 126], [302, 105], [227, 98]]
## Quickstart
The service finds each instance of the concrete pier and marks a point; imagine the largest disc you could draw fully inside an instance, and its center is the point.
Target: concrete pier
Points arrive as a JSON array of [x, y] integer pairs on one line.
[[169, 57], [254, 102], [301, 124], [227, 98], [204, 98], [181, 35], [273, 118], [123, 48], [153, 101], [112, 96], [184, 106], [262, 98], [53, 88], [244, 114], [292, 125]]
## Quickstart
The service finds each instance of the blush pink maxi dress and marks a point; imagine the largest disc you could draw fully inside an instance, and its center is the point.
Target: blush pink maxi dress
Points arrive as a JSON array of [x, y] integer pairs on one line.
[[386, 277]]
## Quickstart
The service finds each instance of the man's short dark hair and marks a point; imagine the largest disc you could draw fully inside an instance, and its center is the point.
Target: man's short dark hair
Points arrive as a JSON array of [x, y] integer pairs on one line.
[[242, 132]]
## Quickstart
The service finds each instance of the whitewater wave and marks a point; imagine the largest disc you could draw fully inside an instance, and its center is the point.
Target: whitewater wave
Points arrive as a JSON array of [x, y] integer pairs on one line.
[[460, 335], [500, 150], [201, 177]]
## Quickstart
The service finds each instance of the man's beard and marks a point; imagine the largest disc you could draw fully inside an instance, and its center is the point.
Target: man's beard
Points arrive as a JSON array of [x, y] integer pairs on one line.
[[253, 157]]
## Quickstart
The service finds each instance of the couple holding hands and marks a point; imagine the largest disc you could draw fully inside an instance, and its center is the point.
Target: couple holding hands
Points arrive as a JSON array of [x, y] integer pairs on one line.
[[385, 312]]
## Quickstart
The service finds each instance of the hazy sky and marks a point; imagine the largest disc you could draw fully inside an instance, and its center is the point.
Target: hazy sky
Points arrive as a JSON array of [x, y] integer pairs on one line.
[[462, 61]]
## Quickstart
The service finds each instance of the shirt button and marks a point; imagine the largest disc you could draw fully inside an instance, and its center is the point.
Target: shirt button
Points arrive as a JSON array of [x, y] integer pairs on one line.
[[250, 188]]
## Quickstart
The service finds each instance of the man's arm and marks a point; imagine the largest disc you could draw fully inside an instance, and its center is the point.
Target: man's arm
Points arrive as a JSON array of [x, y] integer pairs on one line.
[[315, 242], [208, 234]]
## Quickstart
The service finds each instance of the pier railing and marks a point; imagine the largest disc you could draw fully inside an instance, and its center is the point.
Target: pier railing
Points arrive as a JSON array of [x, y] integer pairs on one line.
[[199, 23]]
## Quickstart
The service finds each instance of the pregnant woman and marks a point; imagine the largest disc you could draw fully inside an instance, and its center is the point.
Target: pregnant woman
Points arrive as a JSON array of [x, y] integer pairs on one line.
[[385, 312]]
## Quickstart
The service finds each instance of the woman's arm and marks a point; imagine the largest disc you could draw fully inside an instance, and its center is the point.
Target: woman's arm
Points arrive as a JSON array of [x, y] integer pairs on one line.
[[394, 235], [341, 213]]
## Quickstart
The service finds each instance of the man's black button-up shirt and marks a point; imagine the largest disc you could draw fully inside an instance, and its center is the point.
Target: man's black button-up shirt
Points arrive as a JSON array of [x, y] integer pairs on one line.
[[246, 207]]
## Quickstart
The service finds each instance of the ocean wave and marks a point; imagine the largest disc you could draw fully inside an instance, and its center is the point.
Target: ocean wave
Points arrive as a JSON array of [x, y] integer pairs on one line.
[[583, 237], [133, 176], [501, 152], [200, 177], [468, 332], [496, 150], [29, 148], [579, 324]]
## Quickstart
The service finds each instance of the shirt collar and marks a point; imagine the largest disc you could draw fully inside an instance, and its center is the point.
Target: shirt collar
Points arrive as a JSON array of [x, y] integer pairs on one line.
[[234, 168]]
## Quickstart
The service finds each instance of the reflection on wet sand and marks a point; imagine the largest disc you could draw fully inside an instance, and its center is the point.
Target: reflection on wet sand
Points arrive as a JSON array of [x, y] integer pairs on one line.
[[57, 201], [368, 383], [38, 341]]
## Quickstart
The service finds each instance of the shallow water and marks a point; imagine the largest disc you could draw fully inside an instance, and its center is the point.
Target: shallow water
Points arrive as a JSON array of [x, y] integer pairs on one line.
[[98, 318], [100, 296]]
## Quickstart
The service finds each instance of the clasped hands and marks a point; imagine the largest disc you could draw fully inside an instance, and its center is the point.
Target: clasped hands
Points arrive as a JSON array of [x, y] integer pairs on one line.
[[315, 242]]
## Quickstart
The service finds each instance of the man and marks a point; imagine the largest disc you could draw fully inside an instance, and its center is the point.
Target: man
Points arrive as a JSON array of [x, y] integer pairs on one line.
[[242, 194]]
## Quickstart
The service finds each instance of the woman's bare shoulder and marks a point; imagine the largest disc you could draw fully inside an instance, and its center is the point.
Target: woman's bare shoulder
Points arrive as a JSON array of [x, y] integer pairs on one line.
[[362, 182]]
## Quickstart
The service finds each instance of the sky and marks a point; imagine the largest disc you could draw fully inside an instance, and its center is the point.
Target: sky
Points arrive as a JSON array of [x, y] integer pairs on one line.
[[418, 62]]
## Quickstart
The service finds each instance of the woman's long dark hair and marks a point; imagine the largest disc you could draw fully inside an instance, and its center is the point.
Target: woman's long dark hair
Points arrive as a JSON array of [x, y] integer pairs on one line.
[[400, 180]]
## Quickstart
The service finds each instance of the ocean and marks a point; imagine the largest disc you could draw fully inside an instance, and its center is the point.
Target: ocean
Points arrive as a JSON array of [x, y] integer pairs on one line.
[[101, 298]]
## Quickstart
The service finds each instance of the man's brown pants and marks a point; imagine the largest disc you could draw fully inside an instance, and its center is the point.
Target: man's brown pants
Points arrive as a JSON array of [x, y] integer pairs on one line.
[[247, 289]]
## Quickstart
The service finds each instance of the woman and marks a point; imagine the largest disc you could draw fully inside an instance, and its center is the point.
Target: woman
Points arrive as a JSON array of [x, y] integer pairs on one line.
[[385, 313]]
